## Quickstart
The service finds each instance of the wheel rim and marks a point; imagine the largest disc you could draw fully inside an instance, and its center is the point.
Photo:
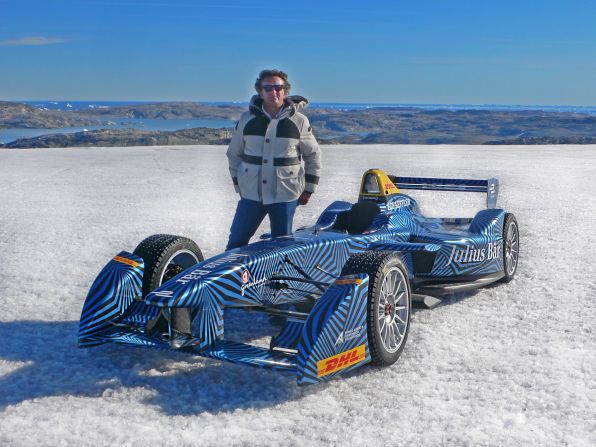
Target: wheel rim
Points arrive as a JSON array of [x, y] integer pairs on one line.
[[178, 262], [511, 248], [393, 310]]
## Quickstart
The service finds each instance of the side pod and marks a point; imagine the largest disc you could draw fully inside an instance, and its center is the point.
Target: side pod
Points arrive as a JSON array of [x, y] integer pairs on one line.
[[111, 294], [334, 337]]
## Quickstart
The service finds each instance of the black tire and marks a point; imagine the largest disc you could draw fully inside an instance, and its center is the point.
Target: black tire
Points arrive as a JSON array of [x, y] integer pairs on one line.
[[165, 256], [510, 246], [379, 266]]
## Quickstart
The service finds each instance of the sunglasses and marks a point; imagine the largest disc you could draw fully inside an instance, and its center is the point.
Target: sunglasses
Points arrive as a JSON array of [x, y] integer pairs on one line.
[[269, 88]]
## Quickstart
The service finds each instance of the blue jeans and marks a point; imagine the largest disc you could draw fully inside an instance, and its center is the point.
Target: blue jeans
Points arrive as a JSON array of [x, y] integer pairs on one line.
[[250, 214]]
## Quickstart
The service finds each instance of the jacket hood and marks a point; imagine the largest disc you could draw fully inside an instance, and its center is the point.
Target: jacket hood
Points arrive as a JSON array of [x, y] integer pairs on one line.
[[294, 103]]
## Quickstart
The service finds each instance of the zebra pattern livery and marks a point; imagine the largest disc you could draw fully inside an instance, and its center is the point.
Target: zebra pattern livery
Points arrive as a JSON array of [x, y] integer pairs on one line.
[[342, 310], [111, 294], [478, 253], [292, 270], [289, 336], [244, 354], [329, 216]]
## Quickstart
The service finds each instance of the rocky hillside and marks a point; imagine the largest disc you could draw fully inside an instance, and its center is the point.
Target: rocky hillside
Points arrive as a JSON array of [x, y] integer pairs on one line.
[[379, 125], [23, 116], [125, 137], [401, 125], [167, 110]]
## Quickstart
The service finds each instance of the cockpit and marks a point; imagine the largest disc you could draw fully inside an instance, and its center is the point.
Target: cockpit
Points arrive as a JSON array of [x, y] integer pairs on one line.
[[376, 196]]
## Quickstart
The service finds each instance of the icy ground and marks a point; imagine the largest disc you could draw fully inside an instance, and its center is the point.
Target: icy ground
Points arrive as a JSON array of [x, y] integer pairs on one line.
[[511, 365]]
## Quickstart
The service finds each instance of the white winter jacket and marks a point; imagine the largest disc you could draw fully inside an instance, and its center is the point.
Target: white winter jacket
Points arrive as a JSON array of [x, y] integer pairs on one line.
[[273, 161]]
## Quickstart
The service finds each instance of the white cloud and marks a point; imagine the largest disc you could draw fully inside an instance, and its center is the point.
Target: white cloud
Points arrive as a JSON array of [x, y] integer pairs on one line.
[[31, 40]]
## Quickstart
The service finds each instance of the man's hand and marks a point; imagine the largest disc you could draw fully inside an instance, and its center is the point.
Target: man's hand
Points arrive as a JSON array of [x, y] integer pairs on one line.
[[304, 197]]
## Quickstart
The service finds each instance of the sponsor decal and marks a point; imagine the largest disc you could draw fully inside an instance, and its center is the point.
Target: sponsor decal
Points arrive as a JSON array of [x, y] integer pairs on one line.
[[245, 276], [252, 284], [399, 203], [349, 335], [127, 261], [340, 361], [470, 254], [208, 268], [341, 282]]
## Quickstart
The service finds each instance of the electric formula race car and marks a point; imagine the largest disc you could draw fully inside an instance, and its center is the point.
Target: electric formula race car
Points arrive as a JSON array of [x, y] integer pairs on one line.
[[343, 288]]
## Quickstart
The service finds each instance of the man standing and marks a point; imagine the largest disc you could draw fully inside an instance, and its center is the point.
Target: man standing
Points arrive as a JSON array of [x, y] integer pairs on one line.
[[274, 159]]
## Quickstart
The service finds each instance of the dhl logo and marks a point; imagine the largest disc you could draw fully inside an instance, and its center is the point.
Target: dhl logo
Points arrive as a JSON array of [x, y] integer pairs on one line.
[[390, 187], [340, 361], [126, 261]]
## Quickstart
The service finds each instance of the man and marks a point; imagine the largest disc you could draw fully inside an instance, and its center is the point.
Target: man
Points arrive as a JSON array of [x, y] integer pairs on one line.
[[274, 159]]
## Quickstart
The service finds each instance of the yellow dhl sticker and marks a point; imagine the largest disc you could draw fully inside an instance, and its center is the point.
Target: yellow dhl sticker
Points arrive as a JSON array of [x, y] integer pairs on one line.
[[357, 281], [126, 261], [340, 361]]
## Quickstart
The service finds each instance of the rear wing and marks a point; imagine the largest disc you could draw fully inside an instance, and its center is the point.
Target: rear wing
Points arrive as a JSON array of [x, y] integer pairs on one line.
[[490, 186]]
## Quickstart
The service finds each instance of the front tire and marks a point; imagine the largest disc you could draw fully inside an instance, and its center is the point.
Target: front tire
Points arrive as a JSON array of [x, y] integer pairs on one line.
[[165, 256], [389, 303]]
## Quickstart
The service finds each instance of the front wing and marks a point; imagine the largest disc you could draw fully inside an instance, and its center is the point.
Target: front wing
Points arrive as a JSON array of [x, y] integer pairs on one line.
[[330, 341]]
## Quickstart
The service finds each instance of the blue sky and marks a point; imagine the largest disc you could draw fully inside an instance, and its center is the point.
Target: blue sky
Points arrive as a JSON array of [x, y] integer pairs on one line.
[[424, 51]]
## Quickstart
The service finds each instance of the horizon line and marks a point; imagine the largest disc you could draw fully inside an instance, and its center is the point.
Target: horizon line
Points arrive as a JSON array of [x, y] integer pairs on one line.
[[313, 102]]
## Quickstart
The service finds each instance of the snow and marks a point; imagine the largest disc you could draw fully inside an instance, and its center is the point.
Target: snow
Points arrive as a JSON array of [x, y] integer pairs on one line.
[[508, 365]]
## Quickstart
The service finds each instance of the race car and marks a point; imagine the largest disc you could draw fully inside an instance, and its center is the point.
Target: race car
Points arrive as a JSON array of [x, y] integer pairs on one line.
[[341, 289]]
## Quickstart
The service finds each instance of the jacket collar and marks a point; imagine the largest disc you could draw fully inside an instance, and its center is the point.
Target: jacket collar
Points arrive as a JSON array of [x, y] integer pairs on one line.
[[292, 104]]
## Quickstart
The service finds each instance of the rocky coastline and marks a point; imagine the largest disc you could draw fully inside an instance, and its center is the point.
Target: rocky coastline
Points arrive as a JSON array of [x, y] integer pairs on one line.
[[125, 138], [24, 116], [378, 125]]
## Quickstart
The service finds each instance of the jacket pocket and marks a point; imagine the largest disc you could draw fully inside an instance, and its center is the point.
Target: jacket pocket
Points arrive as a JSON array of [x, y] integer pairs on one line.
[[290, 182], [248, 178]]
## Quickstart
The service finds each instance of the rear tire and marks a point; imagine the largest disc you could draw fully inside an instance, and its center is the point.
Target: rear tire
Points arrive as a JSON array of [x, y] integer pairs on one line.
[[389, 303], [510, 246], [165, 256]]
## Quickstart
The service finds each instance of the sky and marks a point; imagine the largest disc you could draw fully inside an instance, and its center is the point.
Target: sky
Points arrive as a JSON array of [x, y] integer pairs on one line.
[[417, 52]]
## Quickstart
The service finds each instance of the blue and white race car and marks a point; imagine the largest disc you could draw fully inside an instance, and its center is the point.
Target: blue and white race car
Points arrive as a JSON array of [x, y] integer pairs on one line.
[[343, 288]]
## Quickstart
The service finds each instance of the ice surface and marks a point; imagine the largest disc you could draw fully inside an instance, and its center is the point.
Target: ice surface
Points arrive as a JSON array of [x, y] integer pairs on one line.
[[508, 365]]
